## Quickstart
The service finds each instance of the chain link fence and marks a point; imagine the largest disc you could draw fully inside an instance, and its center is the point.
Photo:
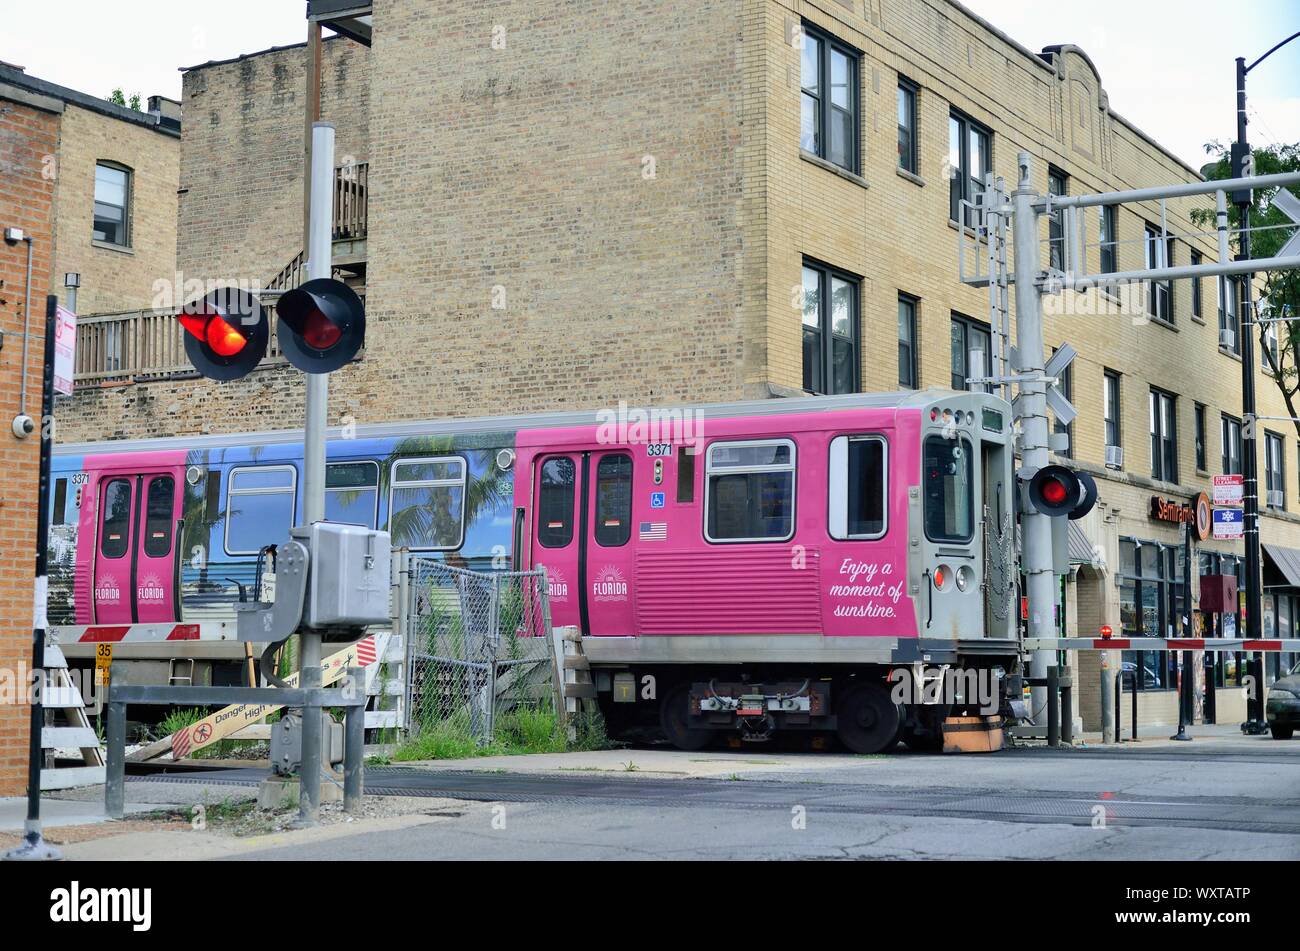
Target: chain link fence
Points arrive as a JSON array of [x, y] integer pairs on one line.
[[480, 651]]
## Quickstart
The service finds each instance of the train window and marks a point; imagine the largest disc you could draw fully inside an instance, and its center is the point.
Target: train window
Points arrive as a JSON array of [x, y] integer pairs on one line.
[[749, 491], [160, 504], [58, 515], [259, 507], [686, 473], [858, 487], [115, 529], [352, 493], [949, 490], [427, 503], [555, 503], [614, 500]]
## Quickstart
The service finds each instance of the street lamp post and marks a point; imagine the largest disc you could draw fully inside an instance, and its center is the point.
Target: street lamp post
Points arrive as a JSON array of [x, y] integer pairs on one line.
[[1240, 159]]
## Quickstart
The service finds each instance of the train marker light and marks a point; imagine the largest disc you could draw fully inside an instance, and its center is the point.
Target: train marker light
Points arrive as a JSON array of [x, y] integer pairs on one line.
[[226, 333], [322, 325]]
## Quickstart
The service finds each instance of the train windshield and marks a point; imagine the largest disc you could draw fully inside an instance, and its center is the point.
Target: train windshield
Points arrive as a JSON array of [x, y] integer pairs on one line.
[[949, 508]]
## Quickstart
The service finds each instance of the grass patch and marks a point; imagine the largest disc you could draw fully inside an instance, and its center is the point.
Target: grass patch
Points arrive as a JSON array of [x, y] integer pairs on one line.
[[520, 731]]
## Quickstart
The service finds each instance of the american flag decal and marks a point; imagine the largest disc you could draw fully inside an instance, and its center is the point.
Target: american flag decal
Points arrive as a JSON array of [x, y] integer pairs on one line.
[[653, 531]]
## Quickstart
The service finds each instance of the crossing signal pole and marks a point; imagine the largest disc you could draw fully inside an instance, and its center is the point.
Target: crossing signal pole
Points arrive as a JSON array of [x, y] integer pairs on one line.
[[1050, 493]]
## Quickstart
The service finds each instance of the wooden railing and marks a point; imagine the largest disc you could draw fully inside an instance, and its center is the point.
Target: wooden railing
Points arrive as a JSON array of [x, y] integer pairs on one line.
[[351, 201]]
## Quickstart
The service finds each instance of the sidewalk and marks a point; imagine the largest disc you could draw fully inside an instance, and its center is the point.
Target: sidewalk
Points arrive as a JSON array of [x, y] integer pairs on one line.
[[65, 812]]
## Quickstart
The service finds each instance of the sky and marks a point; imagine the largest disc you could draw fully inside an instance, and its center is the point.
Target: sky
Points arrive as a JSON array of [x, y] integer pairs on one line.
[[1166, 64]]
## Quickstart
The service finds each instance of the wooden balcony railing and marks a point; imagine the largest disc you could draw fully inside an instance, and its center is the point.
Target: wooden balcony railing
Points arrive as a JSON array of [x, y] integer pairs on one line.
[[351, 201]]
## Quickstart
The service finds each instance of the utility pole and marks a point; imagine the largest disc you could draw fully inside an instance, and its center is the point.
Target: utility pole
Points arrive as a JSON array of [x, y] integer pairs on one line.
[[1036, 527], [1242, 167]]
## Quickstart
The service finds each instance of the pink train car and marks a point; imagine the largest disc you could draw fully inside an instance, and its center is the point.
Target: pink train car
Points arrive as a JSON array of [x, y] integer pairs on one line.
[[763, 566]]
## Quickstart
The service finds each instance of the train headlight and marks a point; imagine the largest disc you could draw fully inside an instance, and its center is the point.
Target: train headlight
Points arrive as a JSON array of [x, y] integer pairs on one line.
[[962, 578], [942, 575]]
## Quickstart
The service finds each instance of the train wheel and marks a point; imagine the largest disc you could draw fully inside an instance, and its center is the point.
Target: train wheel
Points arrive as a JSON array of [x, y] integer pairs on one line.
[[673, 718], [869, 720]]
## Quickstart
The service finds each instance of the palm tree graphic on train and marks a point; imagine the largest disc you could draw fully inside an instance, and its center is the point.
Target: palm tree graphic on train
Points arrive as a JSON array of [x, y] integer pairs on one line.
[[430, 516]]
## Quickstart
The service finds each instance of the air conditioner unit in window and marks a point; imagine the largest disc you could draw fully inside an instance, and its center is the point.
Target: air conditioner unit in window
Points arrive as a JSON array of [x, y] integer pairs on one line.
[[1276, 499], [1228, 339], [1114, 457]]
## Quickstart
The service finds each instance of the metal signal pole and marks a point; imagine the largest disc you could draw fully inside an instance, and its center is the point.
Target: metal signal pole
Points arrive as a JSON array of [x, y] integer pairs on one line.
[[319, 264], [1035, 431]]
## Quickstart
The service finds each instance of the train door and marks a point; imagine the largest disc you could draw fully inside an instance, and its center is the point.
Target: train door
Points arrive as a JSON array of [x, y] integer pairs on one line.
[[135, 559], [583, 536], [999, 530]]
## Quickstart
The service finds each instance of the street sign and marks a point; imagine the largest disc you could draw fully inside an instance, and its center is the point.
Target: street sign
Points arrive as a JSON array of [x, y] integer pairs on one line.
[[1289, 205], [1229, 489], [1229, 523], [65, 349]]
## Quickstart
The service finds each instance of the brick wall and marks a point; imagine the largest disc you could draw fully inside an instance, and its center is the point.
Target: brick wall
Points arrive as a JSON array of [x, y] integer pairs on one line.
[[27, 136], [115, 279]]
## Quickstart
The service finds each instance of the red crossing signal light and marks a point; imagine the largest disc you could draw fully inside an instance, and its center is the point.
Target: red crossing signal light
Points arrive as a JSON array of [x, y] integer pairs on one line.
[[226, 333], [322, 325]]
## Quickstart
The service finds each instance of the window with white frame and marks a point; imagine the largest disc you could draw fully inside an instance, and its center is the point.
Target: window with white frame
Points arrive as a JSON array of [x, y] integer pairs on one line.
[[352, 492], [426, 503], [259, 507], [749, 491], [859, 480]]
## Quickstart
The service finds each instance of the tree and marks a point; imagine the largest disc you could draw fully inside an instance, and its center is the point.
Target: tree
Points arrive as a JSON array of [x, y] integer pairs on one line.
[[1281, 291], [118, 98]]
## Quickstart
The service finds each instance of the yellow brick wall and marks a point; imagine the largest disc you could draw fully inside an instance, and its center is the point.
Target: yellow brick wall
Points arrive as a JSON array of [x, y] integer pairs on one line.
[[114, 279]]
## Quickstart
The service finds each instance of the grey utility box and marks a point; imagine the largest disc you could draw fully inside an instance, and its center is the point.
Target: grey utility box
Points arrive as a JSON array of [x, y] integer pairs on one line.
[[286, 742], [351, 570]]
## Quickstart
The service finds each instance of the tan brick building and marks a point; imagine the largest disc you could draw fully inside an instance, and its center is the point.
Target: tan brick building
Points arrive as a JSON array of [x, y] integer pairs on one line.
[[567, 206], [93, 185]]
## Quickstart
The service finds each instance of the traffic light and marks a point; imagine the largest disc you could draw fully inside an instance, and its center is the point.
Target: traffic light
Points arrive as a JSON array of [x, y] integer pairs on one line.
[[1056, 490], [226, 333], [322, 325]]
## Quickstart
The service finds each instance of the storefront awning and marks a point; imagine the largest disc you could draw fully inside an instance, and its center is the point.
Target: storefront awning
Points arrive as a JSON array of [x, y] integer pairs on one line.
[[1287, 561], [1082, 550]]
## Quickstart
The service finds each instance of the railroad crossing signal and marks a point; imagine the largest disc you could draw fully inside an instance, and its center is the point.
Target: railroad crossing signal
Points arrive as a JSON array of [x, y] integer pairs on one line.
[[322, 325], [1056, 490], [1289, 205], [226, 333], [1055, 367]]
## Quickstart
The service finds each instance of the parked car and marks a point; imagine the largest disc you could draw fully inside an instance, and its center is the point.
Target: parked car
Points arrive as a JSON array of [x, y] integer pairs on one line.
[[1284, 705], [1150, 679]]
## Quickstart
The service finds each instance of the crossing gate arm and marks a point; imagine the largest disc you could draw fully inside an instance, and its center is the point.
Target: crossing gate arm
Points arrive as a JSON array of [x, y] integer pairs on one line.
[[1273, 645]]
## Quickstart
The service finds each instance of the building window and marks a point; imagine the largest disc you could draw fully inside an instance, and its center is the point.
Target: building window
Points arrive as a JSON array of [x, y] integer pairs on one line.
[[1164, 436], [829, 107], [908, 374], [830, 330], [1066, 385], [1151, 596], [970, 159], [1199, 414], [112, 204], [1229, 323], [426, 503], [352, 493], [1274, 473], [1268, 345], [1230, 444], [969, 335], [908, 159], [614, 500], [858, 482], [259, 507], [1197, 260], [1057, 185], [749, 494], [1160, 294], [1108, 232], [1111, 408]]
